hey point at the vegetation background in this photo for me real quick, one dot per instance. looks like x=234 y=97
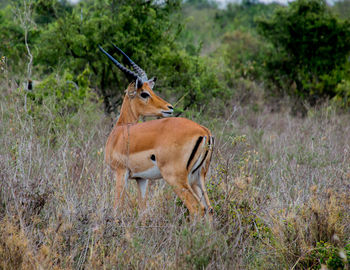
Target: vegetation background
x=271 y=81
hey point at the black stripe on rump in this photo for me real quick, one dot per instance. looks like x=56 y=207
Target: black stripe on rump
x=205 y=156
x=194 y=150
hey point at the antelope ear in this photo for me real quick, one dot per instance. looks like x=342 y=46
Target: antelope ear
x=152 y=82
x=131 y=90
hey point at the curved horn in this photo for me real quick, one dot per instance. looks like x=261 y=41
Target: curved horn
x=120 y=66
x=139 y=70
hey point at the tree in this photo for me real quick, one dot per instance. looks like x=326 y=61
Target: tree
x=71 y=41
x=12 y=45
x=310 y=49
x=65 y=39
x=146 y=30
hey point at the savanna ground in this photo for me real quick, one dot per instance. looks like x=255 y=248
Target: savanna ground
x=279 y=185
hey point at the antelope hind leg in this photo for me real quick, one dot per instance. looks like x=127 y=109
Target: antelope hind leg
x=142 y=185
x=189 y=198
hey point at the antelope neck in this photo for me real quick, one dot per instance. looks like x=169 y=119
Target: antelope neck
x=127 y=115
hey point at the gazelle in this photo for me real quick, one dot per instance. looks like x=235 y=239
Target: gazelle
x=175 y=149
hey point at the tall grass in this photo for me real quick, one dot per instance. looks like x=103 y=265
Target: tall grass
x=279 y=186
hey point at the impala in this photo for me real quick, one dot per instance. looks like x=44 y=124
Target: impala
x=175 y=149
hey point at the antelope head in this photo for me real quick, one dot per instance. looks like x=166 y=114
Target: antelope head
x=139 y=94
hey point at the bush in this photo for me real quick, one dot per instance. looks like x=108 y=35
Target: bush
x=12 y=40
x=310 y=50
x=56 y=101
x=343 y=93
x=332 y=256
x=242 y=53
x=190 y=78
x=315 y=234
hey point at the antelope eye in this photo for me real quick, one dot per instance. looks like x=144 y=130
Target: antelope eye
x=144 y=95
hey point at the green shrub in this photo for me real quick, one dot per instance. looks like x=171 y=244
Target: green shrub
x=332 y=256
x=12 y=40
x=310 y=50
x=242 y=53
x=56 y=100
x=343 y=93
x=189 y=78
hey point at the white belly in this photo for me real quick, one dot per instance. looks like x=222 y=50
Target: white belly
x=151 y=173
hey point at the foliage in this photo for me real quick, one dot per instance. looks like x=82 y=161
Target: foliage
x=200 y=32
x=343 y=93
x=332 y=256
x=66 y=38
x=342 y=7
x=243 y=15
x=12 y=40
x=198 y=51
x=243 y=55
x=47 y=11
x=200 y=4
x=57 y=100
x=139 y=28
x=310 y=49
x=68 y=96
x=190 y=76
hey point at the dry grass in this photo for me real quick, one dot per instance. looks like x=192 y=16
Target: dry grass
x=279 y=186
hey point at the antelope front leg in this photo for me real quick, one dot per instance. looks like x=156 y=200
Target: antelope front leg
x=122 y=176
